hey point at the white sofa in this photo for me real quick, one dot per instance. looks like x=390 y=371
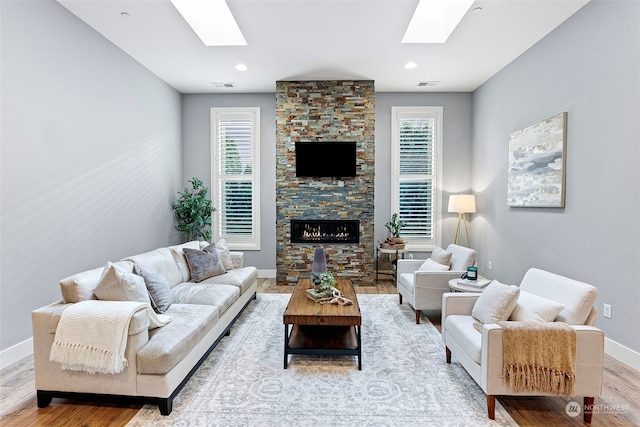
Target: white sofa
x=160 y=361
x=423 y=288
x=481 y=353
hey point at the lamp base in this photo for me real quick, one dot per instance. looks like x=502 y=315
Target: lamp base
x=462 y=218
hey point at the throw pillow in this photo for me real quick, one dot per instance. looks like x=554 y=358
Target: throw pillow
x=224 y=253
x=116 y=284
x=203 y=264
x=441 y=256
x=495 y=303
x=158 y=288
x=431 y=265
x=533 y=308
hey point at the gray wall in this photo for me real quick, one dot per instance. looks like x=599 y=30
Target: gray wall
x=196 y=119
x=91 y=157
x=456 y=156
x=589 y=67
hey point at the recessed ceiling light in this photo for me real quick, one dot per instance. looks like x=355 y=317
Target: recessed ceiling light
x=241 y=67
x=410 y=65
x=212 y=21
x=434 y=20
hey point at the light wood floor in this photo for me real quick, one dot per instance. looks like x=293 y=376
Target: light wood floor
x=619 y=404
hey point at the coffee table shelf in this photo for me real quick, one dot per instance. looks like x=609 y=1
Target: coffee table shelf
x=322 y=329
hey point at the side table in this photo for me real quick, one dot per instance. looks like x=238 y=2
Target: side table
x=395 y=252
x=454 y=286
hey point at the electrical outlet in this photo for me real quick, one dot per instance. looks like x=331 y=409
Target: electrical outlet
x=490 y=265
x=410 y=256
x=606 y=311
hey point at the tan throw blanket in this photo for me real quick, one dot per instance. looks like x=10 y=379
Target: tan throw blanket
x=539 y=357
x=92 y=335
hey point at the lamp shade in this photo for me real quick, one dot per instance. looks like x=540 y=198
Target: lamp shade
x=462 y=203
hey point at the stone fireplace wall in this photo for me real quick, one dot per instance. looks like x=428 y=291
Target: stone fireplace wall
x=322 y=111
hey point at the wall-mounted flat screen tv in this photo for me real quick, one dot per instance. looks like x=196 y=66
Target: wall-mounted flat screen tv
x=325 y=159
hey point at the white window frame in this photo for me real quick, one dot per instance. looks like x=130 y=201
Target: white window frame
x=251 y=242
x=398 y=113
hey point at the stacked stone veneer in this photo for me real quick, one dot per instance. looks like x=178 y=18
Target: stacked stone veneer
x=323 y=111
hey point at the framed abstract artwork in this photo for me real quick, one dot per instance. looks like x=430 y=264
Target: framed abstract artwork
x=537 y=163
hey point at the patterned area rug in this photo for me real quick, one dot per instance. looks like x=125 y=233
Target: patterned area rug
x=404 y=381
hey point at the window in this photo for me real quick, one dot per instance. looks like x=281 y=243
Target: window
x=416 y=155
x=235 y=149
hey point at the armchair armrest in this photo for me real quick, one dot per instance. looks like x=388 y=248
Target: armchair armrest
x=427 y=279
x=458 y=303
x=589 y=360
x=408 y=265
x=435 y=279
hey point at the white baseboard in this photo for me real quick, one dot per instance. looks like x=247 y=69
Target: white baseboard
x=622 y=354
x=16 y=353
x=267 y=274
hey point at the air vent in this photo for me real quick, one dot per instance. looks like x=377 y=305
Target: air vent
x=431 y=83
x=223 y=84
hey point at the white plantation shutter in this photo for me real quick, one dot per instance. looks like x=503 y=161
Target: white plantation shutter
x=416 y=148
x=235 y=148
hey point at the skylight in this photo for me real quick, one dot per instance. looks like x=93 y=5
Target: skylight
x=434 y=20
x=212 y=21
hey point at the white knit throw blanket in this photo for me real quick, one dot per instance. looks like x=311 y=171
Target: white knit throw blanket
x=92 y=335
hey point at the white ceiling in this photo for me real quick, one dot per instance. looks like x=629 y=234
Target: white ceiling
x=324 y=39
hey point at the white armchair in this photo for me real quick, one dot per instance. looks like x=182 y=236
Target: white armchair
x=481 y=353
x=423 y=289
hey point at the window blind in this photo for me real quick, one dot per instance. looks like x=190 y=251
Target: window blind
x=415 y=173
x=235 y=144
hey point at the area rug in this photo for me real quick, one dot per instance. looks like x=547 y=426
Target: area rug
x=404 y=381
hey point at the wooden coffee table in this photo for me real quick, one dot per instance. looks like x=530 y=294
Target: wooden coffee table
x=311 y=328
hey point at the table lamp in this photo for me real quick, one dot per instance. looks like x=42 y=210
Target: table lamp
x=462 y=204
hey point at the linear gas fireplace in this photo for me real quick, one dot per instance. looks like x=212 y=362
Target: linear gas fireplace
x=325 y=231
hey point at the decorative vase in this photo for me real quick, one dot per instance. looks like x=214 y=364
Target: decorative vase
x=319 y=261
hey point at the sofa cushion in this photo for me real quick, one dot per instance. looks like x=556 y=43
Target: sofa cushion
x=170 y=344
x=496 y=303
x=203 y=265
x=242 y=278
x=80 y=286
x=180 y=260
x=219 y=296
x=158 y=288
x=118 y=284
x=159 y=261
x=431 y=265
x=534 y=308
x=441 y=256
x=462 y=330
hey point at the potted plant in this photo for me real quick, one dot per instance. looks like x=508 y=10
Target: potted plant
x=395 y=226
x=193 y=211
x=322 y=286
